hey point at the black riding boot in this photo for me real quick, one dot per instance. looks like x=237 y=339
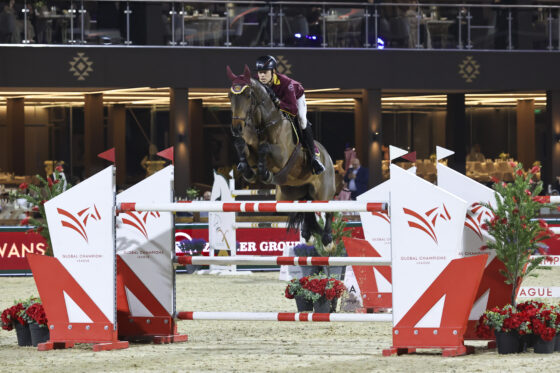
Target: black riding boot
x=309 y=144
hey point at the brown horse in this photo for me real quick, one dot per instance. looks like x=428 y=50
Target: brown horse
x=268 y=146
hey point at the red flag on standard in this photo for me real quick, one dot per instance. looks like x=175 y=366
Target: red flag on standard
x=108 y=155
x=167 y=153
x=411 y=157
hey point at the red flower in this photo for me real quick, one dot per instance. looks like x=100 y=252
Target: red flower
x=37 y=313
x=515 y=211
x=535 y=169
x=35 y=209
x=59 y=169
x=287 y=293
x=527 y=192
x=43 y=202
x=49 y=181
x=543 y=224
x=519 y=172
x=483 y=247
x=512 y=164
x=484 y=226
x=23 y=186
x=24 y=221
x=56 y=181
x=494 y=179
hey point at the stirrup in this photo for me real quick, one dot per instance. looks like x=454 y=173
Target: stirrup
x=316 y=166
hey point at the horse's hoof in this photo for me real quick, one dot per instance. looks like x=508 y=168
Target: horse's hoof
x=330 y=248
x=242 y=167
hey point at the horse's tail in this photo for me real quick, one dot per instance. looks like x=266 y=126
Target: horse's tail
x=297 y=219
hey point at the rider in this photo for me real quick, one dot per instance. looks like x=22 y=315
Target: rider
x=289 y=96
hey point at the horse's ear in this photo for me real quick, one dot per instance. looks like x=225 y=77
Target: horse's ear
x=230 y=74
x=247 y=73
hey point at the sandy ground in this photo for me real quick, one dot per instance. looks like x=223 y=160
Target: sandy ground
x=219 y=346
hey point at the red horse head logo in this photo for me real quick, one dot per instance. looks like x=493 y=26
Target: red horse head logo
x=427 y=222
x=78 y=223
x=138 y=220
x=476 y=216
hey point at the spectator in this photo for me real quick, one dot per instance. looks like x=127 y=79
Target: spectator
x=475 y=155
x=357 y=179
x=7 y=23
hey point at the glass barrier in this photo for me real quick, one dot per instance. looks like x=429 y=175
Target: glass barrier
x=290 y=24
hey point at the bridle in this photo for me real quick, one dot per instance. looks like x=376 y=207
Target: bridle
x=251 y=113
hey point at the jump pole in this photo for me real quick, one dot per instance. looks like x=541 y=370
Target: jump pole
x=283 y=260
x=256 y=206
x=285 y=316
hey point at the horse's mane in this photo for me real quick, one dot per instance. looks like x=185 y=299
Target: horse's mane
x=259 y=90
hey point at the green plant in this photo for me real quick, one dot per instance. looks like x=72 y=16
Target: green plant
x=192 y=193
x=36 y=196
x=514 y=227
x=339 y=230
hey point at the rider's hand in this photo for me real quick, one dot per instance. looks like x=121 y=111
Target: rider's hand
x=276 y=101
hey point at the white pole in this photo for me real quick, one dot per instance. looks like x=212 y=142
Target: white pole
x=256 y=206
x=253 y=192
x=285 y=260
x=287 y=316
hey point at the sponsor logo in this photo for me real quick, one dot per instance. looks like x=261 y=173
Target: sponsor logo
x=139 y=220
x=476 y=216
x=79 y=221
x=427 y=222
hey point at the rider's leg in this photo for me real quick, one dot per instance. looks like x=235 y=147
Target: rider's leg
x=307 y=140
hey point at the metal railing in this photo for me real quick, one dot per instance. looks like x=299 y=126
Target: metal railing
x=291 y=24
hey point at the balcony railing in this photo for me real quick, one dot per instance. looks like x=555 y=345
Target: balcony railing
x=291 y=24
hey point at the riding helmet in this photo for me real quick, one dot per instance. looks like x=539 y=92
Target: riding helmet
x=266 y=63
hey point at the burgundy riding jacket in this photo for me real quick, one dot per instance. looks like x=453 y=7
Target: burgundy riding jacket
x=288 y=91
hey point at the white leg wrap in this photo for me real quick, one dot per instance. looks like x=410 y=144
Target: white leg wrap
x=302 y=111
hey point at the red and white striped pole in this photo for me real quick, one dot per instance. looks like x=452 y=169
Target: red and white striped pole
x=286 y=316
x=284 y=260
x=548 y=199
x=256 y=206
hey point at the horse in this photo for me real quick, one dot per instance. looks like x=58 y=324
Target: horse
x=268 y=146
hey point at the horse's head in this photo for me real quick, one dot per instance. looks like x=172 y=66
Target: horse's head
x=240 y=97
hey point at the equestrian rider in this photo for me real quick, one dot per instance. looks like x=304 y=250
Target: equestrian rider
x=289 y=96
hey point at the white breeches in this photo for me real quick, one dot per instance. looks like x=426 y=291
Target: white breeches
x=302 y=112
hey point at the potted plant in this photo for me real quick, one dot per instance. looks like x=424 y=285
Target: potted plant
x=516 y=232
x=12 y=318
x=319 y=289
x=36 y=196
x=34 y=314
x=193 y=247
x=294 y=291
x=530 y=324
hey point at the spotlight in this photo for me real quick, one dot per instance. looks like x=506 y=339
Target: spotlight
x=297 y=36
x=380 y=43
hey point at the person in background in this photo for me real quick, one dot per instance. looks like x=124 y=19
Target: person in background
x=475 y=155
x=357 y=178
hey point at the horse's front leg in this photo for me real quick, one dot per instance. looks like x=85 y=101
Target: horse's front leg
x=262 y=169
x=243 y=166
